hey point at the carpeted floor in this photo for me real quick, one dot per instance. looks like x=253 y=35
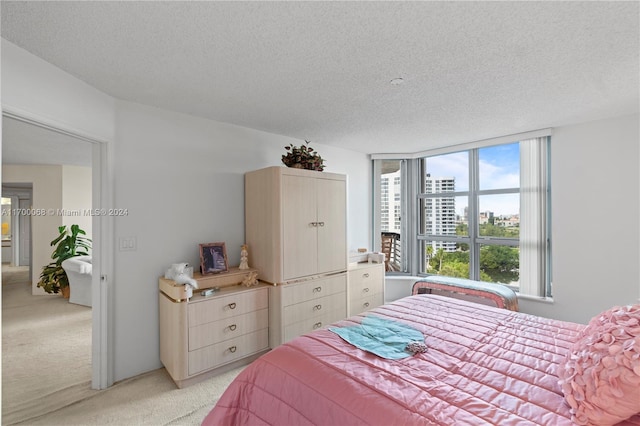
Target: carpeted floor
x=46 y=371
x=46 y=349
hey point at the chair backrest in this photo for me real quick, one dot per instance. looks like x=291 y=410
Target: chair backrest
x=387 y=246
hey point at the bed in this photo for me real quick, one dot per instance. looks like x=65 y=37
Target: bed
x=482 y=366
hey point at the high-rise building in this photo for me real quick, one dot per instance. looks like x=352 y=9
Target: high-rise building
x=390 y=202
x=440 y=212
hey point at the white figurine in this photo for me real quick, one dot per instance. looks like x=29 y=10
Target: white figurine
x=244 y=258
x=178 y=273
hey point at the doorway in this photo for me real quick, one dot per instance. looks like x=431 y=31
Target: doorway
x=16 y=227
x=27 y=140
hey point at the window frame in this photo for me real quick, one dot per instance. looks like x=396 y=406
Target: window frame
x=413 y=244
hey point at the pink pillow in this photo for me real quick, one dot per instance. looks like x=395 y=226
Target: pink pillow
x=600 y=377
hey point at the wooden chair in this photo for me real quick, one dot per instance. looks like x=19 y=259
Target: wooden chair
x=387 y=246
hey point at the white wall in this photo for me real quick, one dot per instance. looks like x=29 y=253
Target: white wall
x=181 y=178
x=47 y=194
x=595 y=210
x=76 y=197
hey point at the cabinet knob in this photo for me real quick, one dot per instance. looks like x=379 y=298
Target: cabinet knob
x=317 y=289
x=232 y=349
x=317 y=307
x=366 y=304
x=314 y=224
x=321 y=223
x=233 y=327
x=366 y=275
x=232 y=305
x=365 y=290
x=317 y=325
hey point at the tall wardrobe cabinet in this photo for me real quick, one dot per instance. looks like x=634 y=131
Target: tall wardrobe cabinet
x=295 y=225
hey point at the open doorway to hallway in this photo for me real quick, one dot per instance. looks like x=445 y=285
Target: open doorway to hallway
x=46 y=341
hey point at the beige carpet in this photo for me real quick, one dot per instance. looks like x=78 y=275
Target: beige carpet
x=46 y=370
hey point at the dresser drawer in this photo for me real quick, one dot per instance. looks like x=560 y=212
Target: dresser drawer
x=310 y=324
x=228 y=328
x=217 y=308
x=363 y=280
x=227 y=351
x=367 y=302
x=312 y=289
x=314 y=308
x=364 y=290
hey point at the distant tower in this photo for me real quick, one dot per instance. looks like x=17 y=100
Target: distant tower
x=440 y=213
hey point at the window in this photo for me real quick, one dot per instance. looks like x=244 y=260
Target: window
x=483 y=213
x=391 y=174
x=6 y=219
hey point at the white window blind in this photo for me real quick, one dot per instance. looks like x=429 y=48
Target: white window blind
x=534 y=241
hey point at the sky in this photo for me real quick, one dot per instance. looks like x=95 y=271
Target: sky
x=499 y=168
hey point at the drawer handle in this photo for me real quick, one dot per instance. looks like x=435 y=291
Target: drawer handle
x=366 y=304
x=317 y=325
x=317 y=307
x=366 y=275
x=233 y=327
x=232 y=305
x=317 y=289
x=365 y=290
x=232 y=349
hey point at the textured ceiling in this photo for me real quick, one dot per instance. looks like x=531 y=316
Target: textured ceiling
x=322 y=70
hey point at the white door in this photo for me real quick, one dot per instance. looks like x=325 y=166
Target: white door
x=332 y=228
x=299 y=228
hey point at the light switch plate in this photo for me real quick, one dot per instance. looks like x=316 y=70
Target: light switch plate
x=127 y=244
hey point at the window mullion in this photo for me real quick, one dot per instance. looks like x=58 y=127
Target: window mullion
x=474 y=178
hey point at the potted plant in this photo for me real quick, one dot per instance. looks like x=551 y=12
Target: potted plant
x=70 y=243
x=303 y=157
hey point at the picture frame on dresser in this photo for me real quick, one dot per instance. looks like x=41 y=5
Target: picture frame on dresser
x=213 y=258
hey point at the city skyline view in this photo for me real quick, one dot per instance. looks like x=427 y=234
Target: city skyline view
x=499 y=169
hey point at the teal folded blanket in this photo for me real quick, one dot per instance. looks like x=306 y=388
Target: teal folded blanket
x=382 y=337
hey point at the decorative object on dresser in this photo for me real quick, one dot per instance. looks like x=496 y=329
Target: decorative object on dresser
x=244 y=257
x=213 y=331
x=251 y=279
x=296 y=228
x=213 y=258
x=366 y=287
x=303 y=157
x=181 y=273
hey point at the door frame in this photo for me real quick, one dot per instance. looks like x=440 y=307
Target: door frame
x=102 y=253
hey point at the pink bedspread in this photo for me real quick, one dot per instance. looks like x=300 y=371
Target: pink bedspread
x=483 y=366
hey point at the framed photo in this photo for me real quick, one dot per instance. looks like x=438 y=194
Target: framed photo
x=213 y=258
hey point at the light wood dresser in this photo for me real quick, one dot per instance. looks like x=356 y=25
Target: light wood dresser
x=366 y=286
x=204 y=336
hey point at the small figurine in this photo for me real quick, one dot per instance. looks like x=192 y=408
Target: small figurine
x=244 y=258
x=182 y=274
x=251 y=279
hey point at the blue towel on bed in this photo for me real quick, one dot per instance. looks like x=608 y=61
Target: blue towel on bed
x=382 y=337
